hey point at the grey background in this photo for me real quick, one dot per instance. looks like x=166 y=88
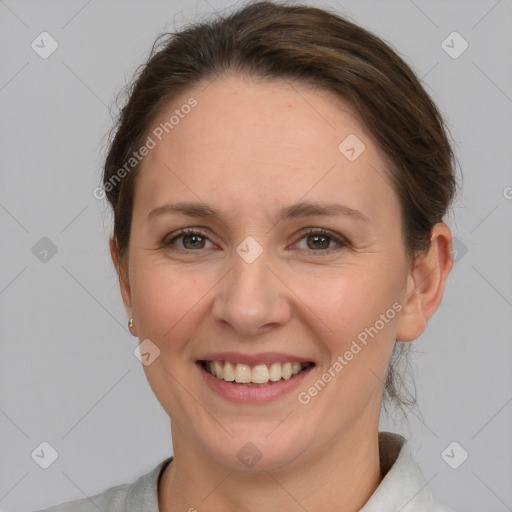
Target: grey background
x=68 y=375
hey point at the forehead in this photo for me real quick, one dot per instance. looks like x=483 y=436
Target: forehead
x=250 y=144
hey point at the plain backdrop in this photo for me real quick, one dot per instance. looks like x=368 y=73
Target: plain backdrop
x=68 y=374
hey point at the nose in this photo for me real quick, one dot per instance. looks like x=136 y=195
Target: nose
x=251 y=298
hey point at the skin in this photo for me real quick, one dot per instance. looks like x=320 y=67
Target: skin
x=247 y=149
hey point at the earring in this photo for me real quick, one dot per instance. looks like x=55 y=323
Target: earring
x=130 y=324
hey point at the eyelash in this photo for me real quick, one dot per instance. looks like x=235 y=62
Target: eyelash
x=311 y=231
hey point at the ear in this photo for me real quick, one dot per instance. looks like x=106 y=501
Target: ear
x=121 y=274
x=425 y=284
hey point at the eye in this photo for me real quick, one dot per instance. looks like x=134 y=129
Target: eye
x=195 y=239
x=321 y=239
x=192 y=239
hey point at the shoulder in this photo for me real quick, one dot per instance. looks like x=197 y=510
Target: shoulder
x=110 y=500
x=142 y=494
x=441 y=507
x=437 y=506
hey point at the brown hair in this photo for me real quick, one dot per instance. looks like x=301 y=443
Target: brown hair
x=315 y=46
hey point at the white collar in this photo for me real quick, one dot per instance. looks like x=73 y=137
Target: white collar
x=404 y=487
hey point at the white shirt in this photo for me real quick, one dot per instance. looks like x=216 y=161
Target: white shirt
x=403 y=488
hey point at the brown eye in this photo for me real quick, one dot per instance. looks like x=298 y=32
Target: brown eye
x=191 y=240
x=196 y=241
x=319 y=240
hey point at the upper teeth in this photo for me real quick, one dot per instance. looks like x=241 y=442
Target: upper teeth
x=259 y=374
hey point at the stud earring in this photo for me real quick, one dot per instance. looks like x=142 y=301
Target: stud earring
x=130 y=324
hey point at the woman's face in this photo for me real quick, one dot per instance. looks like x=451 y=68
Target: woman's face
x=252 y=285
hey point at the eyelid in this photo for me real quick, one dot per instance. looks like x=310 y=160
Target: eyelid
x=166 y=241
x=339 y=239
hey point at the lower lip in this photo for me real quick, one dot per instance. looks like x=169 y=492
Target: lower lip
x=241 y=393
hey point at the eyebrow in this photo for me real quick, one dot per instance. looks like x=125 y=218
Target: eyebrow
x=303 y=209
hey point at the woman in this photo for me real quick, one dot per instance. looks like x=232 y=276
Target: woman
x=279 y=179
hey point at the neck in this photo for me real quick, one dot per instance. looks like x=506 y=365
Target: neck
x=345 y=474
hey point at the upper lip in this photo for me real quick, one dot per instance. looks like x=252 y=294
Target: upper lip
x=253 y=359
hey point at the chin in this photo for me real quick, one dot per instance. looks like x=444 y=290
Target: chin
x=255 y=450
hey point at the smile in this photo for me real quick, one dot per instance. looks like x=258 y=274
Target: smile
x=258 y=375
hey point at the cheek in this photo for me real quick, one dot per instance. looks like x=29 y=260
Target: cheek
x=338 y=302
x=360 y=305
x=357 y=305
x=346 y=300
x=166 y=303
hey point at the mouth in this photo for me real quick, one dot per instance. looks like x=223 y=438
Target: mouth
x=259 y=375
